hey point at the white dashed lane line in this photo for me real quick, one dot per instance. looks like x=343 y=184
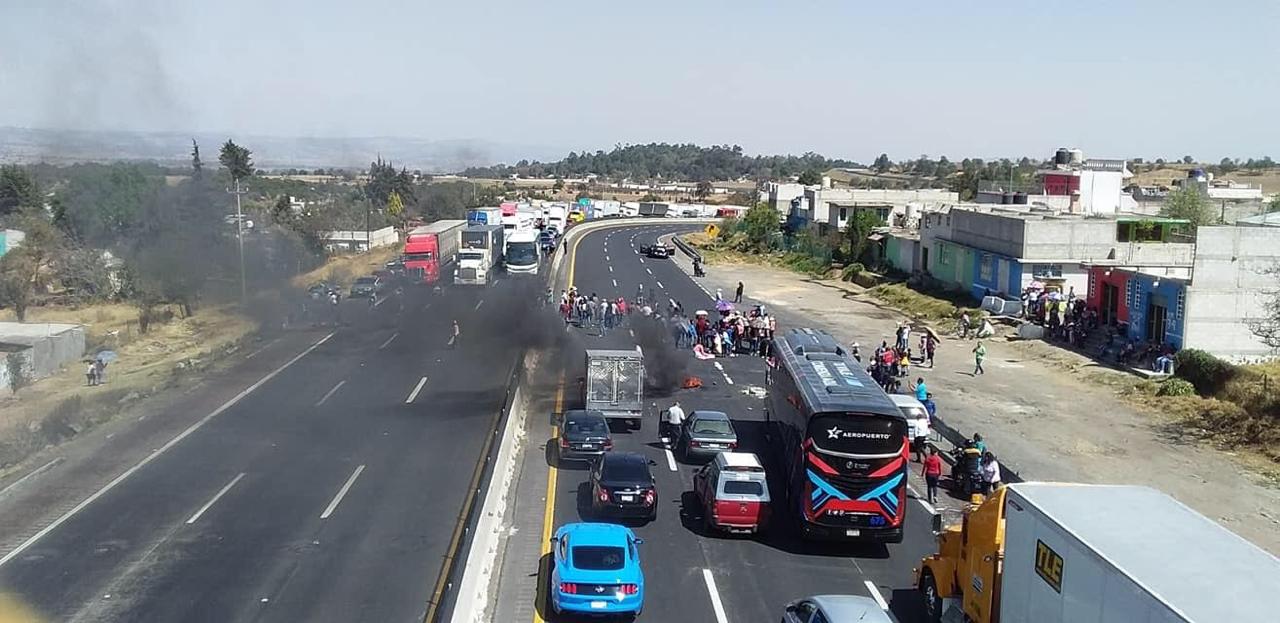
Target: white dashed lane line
x=716 y=604
x=671 y=459
x=478 y=304
x=661 y=286
x=417 y=388
x=384 y=344
x=216 y=497
x=615 y=282
x=341 y=493
x=875 y=594
x=331 y=392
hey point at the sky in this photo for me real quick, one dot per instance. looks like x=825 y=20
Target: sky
x=850 y=78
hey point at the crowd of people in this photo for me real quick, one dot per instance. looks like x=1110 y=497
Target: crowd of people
x=595 y=311
x=1069 y=319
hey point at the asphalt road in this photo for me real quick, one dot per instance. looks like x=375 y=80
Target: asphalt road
x=329 y=493
x=689 y=572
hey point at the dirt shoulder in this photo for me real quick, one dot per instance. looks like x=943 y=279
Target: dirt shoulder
x=1048 y=414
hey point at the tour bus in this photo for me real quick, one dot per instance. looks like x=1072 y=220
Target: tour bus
x=843 y=442
x=522 y=253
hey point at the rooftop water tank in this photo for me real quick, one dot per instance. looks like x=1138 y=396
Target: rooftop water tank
x=1077 y=156
x=1062 y=156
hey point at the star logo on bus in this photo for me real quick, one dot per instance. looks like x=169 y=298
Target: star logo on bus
x=833 y=432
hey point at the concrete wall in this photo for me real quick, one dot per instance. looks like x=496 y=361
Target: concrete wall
x=1100 y=191
x=780 y=196
x=1229 y=289
x=26 y=353
x=1143 y=289
x=998 y=233
x=820 y=198
x=901 y=253
x=51 y=346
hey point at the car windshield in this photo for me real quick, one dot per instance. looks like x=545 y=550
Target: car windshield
x=417 y=257
x=712 y=427
x=365 y=281
x=598 y=557
x=743 y=487
x=470 y=255
x=586 y=426
x=625 y=471
x=522 y=253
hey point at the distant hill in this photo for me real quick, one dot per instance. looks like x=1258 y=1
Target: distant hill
x=25 y=145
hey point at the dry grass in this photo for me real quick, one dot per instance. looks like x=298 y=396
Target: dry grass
x=1269 y=179
x=919 y=305
x=343 y=269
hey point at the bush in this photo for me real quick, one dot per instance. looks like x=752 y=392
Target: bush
x=851 y=271
x=1176 y=387
x=1207 y=373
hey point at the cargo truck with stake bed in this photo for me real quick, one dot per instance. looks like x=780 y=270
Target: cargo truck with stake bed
x=1069 y=553
x=614 y=384
x=480 y=255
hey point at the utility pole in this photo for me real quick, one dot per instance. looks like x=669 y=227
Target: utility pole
x=240 y=236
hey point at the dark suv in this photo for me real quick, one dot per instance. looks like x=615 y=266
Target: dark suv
x=622 y=486
x=583 y=435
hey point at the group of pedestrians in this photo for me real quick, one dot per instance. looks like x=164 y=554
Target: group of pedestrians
x=593 y=311
x=731 y=334
x=96 y=373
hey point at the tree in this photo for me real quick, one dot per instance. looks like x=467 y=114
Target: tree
x=395 y=207
x=236 y=160
x=858 y=229
x=18 y=189
x=1227 y=165
x=759 y=223
x=197 y=167
x=558 y=186
x=703 y=190
x=945 y=168
x=24 y=270
x=1188 y=160
x=1190 y=204
x=882 y=163
x=810 y=178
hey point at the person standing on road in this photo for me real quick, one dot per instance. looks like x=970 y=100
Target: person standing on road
x=737 y=296
x=453 y=337
x=922 y=390
x=672 y=420
x=964 y=326
x=930 y=347
x=990 y=473
x=932 y=471
x=979 y=353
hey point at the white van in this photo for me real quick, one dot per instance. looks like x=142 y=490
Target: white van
x=917 y=419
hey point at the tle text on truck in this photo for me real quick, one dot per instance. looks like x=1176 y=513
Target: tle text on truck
x=480 y=255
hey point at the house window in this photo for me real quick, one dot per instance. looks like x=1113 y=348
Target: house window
x=987 y=267
x=1046 y=271
x=946 y=255
x=844 y=214
x=1181 y=305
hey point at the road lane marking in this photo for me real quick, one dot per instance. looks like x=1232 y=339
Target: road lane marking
x=549 y=512
x=332 y=392
x=155 y=453
x=35 y=472
x=661 y=286
x=610 y=269
x=260 y=349
x=606 y=258
x=615 y=282
x=641 y=259
x=384 y=344
x=927 y=506
x=632 y=332
x=221 y=492
x=481 y=302
x=671 y=459
x=379 y=301
x=649 y=270
x=716 y=605
x=875 y=594
x=342 y=493
x=416 y=388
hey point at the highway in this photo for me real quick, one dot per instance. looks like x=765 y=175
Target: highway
x=693 y=576
x=329 y=492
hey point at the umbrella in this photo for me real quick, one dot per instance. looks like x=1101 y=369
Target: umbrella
x=933 y=334
x=107 y=356
x=700 y=312
x=724 y=306
x=1037 y=285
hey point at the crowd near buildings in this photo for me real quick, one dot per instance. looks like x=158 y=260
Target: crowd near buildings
x=1081 y=230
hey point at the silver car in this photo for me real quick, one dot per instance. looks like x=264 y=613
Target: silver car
x=706 y=434
x=835 y=609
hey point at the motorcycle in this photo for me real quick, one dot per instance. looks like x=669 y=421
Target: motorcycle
x=966 y=471
x=698 y=271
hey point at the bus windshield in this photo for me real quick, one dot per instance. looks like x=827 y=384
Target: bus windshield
x=848 y=433
x=522 y=253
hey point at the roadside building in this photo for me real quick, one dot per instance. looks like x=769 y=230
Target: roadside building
x=1001 y=250
x=1212 y=308
x=831 y=208
x=42 y=347
x=361 y=240
x=10 y=239
x=1073 y=185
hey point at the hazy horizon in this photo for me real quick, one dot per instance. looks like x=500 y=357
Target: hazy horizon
x=1145 y=79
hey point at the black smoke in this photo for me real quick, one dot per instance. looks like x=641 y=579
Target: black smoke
x=664 y=365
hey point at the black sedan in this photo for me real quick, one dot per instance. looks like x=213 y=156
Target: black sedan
x=656 y=251
x=622 y=486
x=706 y=434
x=584 y=435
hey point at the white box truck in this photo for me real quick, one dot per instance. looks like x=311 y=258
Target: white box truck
x=1071 y=553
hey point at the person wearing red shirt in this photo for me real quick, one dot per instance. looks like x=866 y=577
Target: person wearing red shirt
x=932 y=471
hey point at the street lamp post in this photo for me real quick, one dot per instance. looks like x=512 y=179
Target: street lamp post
x=240 y=236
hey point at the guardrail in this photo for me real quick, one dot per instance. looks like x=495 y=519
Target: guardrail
x=686 y=249
x=442 y=603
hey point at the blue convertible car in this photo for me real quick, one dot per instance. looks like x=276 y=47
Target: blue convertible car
x=596 y=570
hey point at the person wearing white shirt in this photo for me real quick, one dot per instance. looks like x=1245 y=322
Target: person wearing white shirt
x=990 y=472
x=672 y=420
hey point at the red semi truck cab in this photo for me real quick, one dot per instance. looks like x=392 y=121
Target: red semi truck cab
x=429 y=249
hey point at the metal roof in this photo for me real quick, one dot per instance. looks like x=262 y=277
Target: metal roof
x=1196 y=566
x=738 y=459
x=829 y=377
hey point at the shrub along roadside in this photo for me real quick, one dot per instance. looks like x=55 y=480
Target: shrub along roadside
x=1235 y=406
